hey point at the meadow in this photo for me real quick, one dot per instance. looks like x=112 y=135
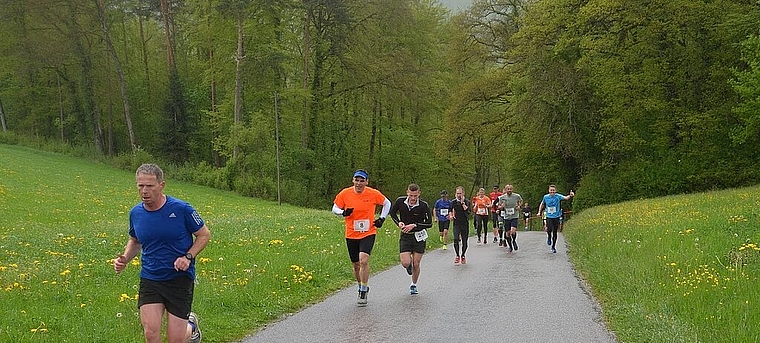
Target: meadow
x=65 y=219
x=674 y=269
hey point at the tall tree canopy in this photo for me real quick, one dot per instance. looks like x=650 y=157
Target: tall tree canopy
x=614 y=99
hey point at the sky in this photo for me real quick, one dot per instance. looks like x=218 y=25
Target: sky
x=456 y=5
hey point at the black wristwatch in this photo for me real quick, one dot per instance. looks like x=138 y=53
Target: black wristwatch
x=189 y=256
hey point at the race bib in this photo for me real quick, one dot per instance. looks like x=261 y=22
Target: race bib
x=510 y=211
x=361 y=225
x=482 y=211
x=503 y=213
x=421 y=235
x=551 y=210
x=444 y=211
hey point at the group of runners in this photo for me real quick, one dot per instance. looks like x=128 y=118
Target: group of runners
x=169 y=234
x=357 y=205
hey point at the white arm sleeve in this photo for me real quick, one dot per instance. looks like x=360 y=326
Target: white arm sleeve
x=386 y=208
x=337 y=210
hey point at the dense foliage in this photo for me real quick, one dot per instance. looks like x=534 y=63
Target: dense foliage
x=616 y=99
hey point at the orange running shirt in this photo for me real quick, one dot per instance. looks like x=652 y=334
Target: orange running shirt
x=481 y=206
x=360 y=223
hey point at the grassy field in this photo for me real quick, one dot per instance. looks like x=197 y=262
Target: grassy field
x=64 y=220
x=675 y=269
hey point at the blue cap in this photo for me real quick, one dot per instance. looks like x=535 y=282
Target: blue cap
x=361 y=173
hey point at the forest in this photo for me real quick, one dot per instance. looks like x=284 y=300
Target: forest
x=284 y=99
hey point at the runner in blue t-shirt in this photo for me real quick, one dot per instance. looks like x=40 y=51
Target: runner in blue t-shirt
x=442 y=209
x=551 y=202
x=162 y=228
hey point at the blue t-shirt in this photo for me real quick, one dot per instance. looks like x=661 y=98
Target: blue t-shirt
x=165 y=234
x=552 y=205
x=442 y=209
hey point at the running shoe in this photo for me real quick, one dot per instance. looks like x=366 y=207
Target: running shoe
x=410 y=267
x=554 y=251
x=548 y=241
x=514 y=243
x=362 y=298
x=444 y=247
x=195 y=336
x=413 y=290
x=485 y=240
x=456 y=260
x=509 y=249
x=478 y=240
x=495 y=239
x=464 y=260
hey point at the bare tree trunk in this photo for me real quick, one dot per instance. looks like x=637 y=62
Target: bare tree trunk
x=165 y=14
x=2 y=117
x=144 y=48
x=109 y=137
x=60 y=106
x=305 y=81
x=238 y=85
x=212 y=68
x=119 y=71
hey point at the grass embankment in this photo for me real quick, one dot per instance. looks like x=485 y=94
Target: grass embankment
x=63 y=220
x=674 y=269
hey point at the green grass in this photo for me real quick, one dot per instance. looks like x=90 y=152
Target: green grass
x=674 y=269
x=64 y=220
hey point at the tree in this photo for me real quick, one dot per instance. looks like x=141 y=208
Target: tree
x=99 y=4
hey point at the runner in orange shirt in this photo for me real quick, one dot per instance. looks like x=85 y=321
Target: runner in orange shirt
x=481 y=207
x=357 y=205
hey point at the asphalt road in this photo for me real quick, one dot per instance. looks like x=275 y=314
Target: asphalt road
x=530 y=295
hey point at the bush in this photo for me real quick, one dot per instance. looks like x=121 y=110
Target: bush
x=132 y=160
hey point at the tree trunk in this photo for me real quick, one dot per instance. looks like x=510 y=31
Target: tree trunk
x=305 y=83
x=60 y=107
x=238 y=86
x=166 y=15
x=2 y=117
x=119 y=71
x=212 y=71
x=144 y=51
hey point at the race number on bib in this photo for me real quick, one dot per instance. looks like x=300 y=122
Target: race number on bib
x=444 y=211
x=510 y=211
x=482 y=211
x=551 y=210
x=361 y=225
x=421 y=235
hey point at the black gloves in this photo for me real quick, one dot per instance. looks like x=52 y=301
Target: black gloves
x=379 y=222
x=347 y=212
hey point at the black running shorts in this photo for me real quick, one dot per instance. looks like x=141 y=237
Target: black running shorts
x=175 y=294
x=355 y=246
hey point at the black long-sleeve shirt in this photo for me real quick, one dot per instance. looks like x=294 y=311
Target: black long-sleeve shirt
x=419 y=214
x=461 y=216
